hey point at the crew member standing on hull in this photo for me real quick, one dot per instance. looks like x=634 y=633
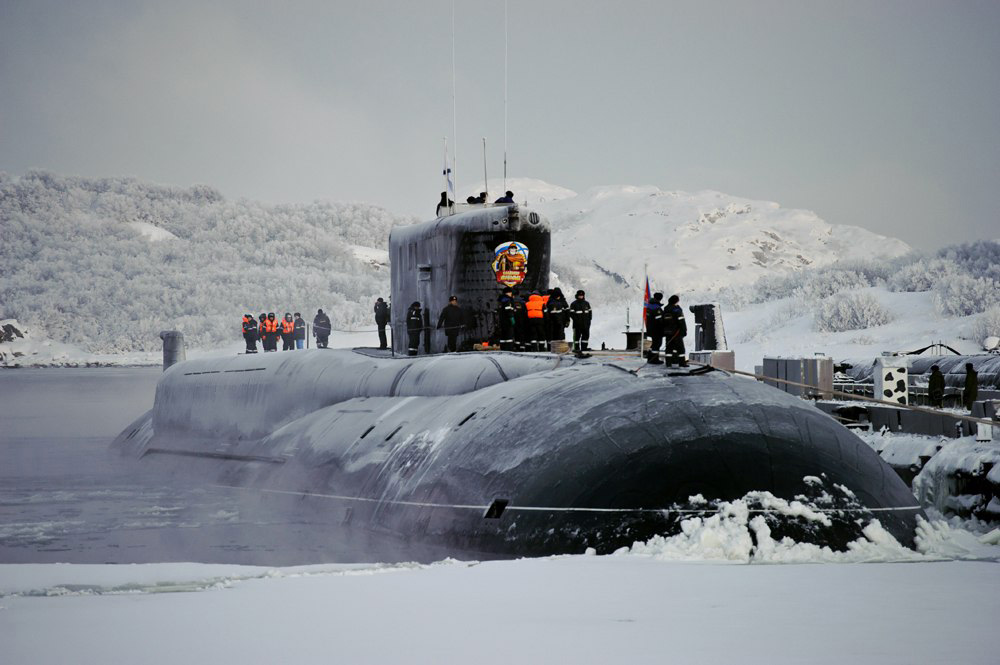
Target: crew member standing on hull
x=971 y=391
x=321 y=329
x=521 y=335
x=271 y=333
x=505 y=319
x=261 y=330
x=288 y=333
x=414 y=324
x=935 y=387
x=675 y=330
x=654 y=327
x=452 y=319
x=381 y=319
x=557 y=313
x=300 y=331
x=536 y=321
x=250 y=333
x=579 y=312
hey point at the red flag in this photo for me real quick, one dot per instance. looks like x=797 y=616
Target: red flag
x=645 y=301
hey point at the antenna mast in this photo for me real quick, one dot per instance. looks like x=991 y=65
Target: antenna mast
x=485 y=180
x=454 y=105
x=505 y=95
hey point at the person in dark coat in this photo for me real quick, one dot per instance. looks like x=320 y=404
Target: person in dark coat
x=300 y=331
x=654 y=328
x=935 y=387
x=321 y=329
x=508 y=197
x=580 y=314
x=505 y=319
x=444 y=206
x=381 y=319
x=262 y=330
x=250 y=332
x=477 y=199
x=273 y=332
x=414 y=325
x=675 y=330
x=557 y=315
x=971 y=390
x=452 y=320
x=522 y=338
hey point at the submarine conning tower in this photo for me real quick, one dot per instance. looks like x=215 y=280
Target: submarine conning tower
x=472 y=254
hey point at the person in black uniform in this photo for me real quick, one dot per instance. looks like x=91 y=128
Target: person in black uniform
x=508 y=197
x=505 y=319
x=444 y=206
x=522 y=340
x=300 y=331
x=580 y=314
x=250 y=332
x=414 y=324
x=381 y=319
x=971 y=390
x=935 y=387
x=675 y=330
x=321 y=329
x=287 y=329
x=452 y=320
x=654 y=328
x=557 y=315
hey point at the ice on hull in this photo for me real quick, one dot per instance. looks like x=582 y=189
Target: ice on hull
x=413 y=450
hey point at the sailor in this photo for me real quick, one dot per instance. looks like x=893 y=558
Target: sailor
x=381 y=319
x=261 y=332
x=675 y=330
x=580 y=314
x=508 y=197
x=300 y=331
x=444 y=206
x=452 y=320
x=505 y=319
x=536 y=320
x=477 y=199
x=288 y=332
x=414 y=324
x=321 y=329
x=270 y=333
x=522 y=339
x=935 y=387
x=250 y=333
x=557 y=315
x=654 y=328
x=971 y=390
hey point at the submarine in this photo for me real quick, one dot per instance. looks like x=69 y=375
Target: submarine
x=500 y=454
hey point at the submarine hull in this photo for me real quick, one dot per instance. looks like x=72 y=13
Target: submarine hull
x=503 y=455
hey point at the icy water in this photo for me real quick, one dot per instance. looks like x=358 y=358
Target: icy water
x=65 y=498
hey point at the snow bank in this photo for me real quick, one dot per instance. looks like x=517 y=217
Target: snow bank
x=19 y=347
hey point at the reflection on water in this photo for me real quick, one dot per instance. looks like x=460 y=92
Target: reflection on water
x=65 y=498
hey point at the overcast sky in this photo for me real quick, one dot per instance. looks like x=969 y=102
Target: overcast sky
x=878 y=113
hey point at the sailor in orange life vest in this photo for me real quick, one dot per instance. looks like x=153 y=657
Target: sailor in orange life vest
x=288 y=332
x=269 y=332
x=536 y=321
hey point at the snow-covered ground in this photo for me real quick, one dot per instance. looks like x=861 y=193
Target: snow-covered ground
x=571 y=609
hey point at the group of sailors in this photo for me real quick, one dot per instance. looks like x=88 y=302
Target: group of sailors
x=290 y=329
x=666 y=323
x=524 y=323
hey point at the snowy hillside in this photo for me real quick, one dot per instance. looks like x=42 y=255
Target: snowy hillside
x=105 y=264
x=695 y=241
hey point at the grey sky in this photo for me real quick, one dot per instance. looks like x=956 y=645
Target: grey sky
x=877 y=113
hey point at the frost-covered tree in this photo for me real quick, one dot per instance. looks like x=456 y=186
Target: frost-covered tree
x=851 y=311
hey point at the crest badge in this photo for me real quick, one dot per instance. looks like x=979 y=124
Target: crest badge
x=510 y=263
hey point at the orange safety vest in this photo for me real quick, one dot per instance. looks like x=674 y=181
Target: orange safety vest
x=287 y=327
x=534 y=306
x=270 y=326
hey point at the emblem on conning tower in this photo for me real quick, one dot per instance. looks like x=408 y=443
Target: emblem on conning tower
x=511 y=263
